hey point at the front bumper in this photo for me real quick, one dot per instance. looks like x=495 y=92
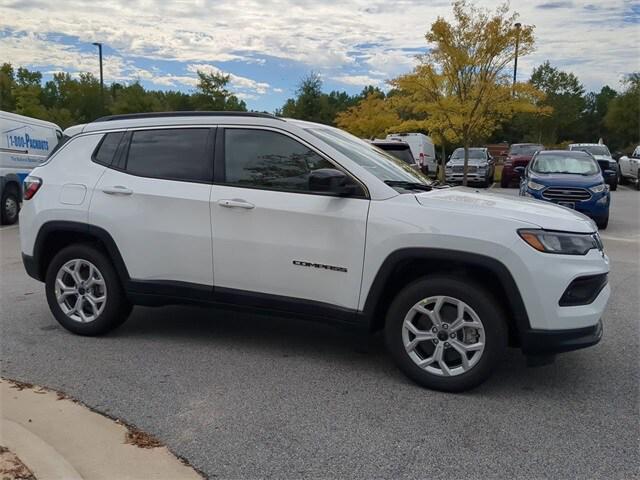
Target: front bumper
x=546 y=342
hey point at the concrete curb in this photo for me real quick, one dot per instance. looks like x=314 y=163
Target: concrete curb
x=58 y=438
x=41 y=458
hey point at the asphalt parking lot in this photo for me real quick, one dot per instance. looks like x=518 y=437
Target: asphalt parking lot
x=244 y=396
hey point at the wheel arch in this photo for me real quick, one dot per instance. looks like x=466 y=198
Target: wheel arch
x=406 y=265
x=56 y=235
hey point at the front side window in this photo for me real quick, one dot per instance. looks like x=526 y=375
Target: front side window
x=271 y=160
x=381 y=164
x=571 y=164
x=181 y=154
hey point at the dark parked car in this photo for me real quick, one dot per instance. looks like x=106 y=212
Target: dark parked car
x=400 y=150
x=572 y=179
x=519 y=155
x=602 y=155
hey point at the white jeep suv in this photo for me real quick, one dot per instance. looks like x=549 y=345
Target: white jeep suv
x=296 y=218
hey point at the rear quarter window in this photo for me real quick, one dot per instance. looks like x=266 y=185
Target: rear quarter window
x=107 y=148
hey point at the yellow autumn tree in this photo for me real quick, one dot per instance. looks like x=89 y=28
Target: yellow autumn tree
x=370 y=118
x=462 y=88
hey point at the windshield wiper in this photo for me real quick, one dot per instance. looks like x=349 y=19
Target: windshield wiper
x=409 y=185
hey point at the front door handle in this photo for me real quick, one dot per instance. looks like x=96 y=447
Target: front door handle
x=117 y=190
x=236 y=203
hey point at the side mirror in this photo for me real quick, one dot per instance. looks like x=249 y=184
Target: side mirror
x=330 y=180
x=519 y=170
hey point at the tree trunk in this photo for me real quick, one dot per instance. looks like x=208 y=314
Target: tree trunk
x=466 y=163
x=443 y=162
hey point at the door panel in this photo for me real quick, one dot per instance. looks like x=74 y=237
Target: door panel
x=162 y=227
x=291 y=244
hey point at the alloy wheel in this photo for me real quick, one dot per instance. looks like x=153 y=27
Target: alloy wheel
x=443 y=335
x=80 y=290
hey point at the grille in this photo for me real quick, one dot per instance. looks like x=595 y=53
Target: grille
x=460 y=168
x=568 y=194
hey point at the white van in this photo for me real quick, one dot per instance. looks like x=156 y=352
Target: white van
x=24 y=144
x=422 y=148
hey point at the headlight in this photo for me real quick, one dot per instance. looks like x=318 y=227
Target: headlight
x=534 y=186
x=561 y=242
x=599 y=188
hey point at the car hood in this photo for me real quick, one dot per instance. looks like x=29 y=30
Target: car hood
x=567 y=180
x=604 y=157
x=521 y=210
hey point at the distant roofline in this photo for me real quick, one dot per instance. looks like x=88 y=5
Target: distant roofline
x=134 y=116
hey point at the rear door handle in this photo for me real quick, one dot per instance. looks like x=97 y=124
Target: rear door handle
x=117 y=190
x=236 y=203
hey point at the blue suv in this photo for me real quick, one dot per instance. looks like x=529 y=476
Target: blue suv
x=572 y=179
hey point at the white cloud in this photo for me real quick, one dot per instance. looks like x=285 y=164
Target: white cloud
x=358 y=80
x=375 y=38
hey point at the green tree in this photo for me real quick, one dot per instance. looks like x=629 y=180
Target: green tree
x=623 y=114
x=7 y=85
x=564 y=94
x=212 y=93
x=134 y=99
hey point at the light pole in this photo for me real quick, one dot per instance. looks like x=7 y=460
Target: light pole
x=515 y=63
x=99 y=45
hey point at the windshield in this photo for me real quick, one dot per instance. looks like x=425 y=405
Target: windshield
x=474 y=154
x=381 y=164
x=524 y=150
x=592 y=149
x=575 y=164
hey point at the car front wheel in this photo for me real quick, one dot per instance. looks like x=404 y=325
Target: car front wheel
x=84 y=292
x=445 y=333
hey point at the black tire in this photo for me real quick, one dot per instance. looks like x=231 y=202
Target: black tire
x=9 y=216
x=638 y=180
x=117 y=307
x=603 y=223
x=504 y=182
x=480 y=300
x=614 y=185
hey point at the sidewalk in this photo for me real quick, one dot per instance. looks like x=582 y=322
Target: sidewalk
x=57 y=438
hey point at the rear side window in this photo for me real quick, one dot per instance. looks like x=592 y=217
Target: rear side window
x=266 y=159
x=174 y=154
x=107 y=148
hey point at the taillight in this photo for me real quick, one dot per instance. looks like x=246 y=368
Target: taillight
x=31 y=186
x=422 y=158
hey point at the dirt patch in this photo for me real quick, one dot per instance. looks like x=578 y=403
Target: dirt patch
x=11 y=468
x=140 y=439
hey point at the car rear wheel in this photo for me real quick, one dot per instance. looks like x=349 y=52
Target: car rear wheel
x=84 y=292
x=445 y=333
x=638 y=180
x=504 y=182
x=9 y=207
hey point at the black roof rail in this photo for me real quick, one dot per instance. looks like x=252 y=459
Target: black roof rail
x=133 y=116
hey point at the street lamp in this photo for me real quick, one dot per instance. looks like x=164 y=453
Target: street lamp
x=515 y=63
x=99 y=45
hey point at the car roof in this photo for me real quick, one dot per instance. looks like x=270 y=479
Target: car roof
x=116 y=122
x=587 y=145
x=524 y=144
x=472 y=148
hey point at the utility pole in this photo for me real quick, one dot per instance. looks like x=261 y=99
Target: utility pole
x=515 y=63
x=99 y=45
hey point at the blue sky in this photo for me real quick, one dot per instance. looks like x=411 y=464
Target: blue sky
x=268 y=45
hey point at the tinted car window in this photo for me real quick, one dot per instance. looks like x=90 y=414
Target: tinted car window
x=261 y=158
x=174 y=154
x=107 y=148
x=403 y=153
x=524 y=150
x=474 y=153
